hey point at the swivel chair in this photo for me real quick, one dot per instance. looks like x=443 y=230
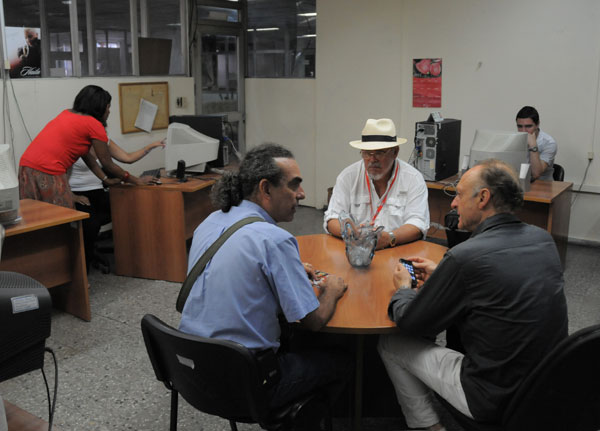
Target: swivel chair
x=223 y=378
x=561 y=393
x=559 y=173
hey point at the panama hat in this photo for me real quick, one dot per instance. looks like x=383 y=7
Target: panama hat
x=378 y=135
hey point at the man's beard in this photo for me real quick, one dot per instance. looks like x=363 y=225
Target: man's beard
x=376 y=177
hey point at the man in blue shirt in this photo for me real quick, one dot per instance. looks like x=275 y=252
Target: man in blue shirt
x=257 y=274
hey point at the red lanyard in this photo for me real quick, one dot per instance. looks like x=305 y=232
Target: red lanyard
x=384 y=196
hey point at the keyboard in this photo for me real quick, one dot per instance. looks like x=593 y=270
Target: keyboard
x=152 y=172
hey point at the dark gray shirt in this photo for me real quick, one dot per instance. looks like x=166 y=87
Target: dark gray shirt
x=503 y=291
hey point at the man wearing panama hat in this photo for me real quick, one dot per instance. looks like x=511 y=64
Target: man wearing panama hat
x=381 y=189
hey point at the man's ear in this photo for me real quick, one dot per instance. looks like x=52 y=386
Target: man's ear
x=484 y=197
x=264 y=187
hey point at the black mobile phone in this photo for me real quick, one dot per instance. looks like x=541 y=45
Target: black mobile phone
x=411 y=270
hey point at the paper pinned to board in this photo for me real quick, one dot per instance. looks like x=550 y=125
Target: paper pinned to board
x=146 y=115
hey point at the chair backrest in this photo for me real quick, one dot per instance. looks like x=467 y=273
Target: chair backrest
x=559 y=173
x=563 y=392
x=217 y=377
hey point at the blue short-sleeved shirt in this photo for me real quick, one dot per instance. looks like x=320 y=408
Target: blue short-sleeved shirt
x=255 y=276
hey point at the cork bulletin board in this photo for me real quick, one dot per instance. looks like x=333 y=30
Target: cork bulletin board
x=130 y=95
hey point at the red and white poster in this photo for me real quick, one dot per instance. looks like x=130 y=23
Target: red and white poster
x=24 y=52
x=427 y=82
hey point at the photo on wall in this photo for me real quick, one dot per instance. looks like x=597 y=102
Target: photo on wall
x=427 y=83
x=24 y=52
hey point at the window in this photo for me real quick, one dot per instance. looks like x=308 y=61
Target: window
x=39 y=40
x=165 y=23
x=281 y=38
x=112 y=37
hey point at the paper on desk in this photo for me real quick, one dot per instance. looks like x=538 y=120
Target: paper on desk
x=146 y=115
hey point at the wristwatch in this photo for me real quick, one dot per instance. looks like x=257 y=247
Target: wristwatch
x=392 y=238
x=534 y=149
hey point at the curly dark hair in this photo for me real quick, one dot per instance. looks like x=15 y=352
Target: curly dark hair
x=92 y=100
x=258 y=164
x=503 y=183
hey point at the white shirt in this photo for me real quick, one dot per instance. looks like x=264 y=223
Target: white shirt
x=547 y=148
x=82 y=179
x=406 y=202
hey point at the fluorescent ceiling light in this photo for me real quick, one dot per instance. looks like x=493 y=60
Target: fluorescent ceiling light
x=264 y=29
x=307 y=35
x=308 y=14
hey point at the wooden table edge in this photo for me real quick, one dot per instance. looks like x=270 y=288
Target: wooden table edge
x=17 y=229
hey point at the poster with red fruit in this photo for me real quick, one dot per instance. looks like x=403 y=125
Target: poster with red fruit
x=427 y=82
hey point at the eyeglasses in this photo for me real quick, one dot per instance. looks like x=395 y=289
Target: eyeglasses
x=378 y=154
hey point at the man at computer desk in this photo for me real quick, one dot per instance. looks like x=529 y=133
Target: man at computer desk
x=542 y=146
x=502 y=290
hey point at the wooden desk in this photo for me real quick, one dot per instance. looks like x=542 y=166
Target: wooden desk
x=47 y=245
x=547 y=205
x=152 y=223
x=363 y=309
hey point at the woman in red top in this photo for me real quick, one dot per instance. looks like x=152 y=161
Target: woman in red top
x=43 y=166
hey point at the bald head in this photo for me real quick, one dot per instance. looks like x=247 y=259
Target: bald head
x=487 y=189
x=503 y=183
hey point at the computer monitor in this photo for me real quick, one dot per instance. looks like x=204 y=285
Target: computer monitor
x=510 y=147
x=9 y=187
x=194 y=148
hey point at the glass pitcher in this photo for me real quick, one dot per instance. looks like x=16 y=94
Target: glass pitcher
x=360 y=240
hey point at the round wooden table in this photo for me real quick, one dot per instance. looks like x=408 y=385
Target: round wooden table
x=363 y=309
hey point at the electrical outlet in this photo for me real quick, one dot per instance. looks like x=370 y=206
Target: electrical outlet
x=591 y=155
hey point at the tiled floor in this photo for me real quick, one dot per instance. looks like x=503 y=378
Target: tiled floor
x=105 y=378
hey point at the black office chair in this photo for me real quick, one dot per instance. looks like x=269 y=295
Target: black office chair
x=559 y=173
x=561 y=393
x=223 y=378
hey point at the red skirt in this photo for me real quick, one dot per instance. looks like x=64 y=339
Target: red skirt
x=40 y=186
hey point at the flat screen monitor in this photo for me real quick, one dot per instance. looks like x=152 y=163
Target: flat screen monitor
x=510 y=147
x=189 y=145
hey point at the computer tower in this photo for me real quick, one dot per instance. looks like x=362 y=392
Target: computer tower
x=437 y=147
x=210 y=125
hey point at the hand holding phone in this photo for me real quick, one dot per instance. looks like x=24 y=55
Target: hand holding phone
x=411 y=270
x=319 y=276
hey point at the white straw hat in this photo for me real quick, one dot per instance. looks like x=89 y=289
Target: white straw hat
x=378 y=135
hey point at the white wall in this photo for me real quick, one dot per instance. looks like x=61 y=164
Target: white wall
x=40 y=100
x=497 y=57
x=282 y=111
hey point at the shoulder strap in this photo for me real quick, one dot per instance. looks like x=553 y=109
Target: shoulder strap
x=206 y=257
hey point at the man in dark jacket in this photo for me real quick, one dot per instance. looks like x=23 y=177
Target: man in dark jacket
x=503 y=292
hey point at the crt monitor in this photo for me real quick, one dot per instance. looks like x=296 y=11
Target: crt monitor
x=9 y=187
x=510 y=147
x=189 y=145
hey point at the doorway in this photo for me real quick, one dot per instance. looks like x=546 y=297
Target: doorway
x=218 y=71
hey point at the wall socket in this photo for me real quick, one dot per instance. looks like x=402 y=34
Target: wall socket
x=591 y=155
